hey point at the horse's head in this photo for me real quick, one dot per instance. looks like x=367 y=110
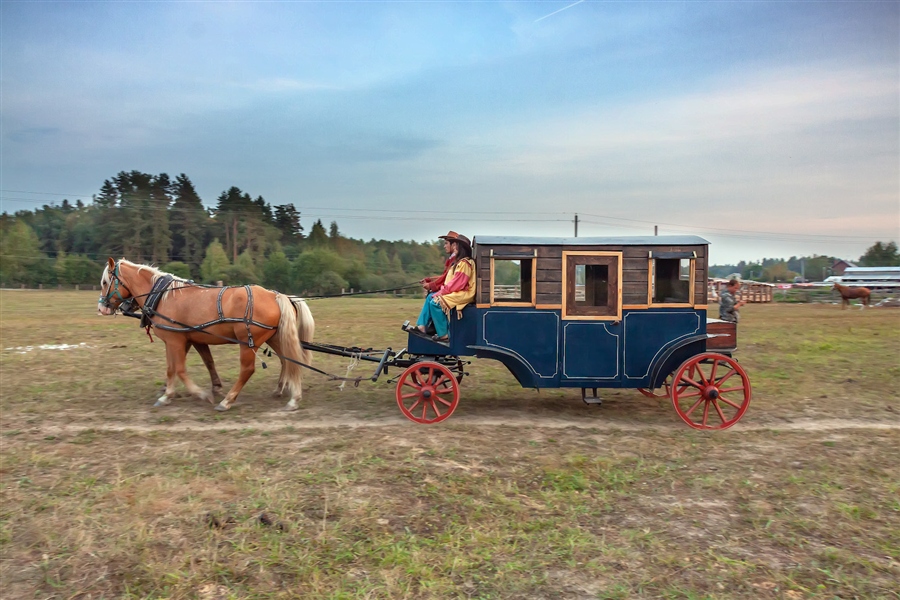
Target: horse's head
x=112 y=291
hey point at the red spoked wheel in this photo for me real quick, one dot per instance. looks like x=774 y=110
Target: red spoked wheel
x=654 y=393
x=710 y=391
x=427 y=392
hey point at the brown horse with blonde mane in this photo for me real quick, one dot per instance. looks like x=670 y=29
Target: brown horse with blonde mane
x=849 y=293
x=187 y=315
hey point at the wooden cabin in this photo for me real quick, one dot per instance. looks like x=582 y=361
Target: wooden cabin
x=593 y=278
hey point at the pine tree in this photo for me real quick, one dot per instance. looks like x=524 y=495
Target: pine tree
x=215 y=265
x=317 y=236
x=287 y=220
x=160 y=235
x=190 y=224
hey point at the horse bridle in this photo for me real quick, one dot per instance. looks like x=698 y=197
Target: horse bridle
x=106 y=300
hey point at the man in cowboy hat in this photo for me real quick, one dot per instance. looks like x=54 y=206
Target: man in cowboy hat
x=455 y=288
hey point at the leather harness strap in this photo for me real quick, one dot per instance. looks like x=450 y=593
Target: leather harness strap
x=150 y=309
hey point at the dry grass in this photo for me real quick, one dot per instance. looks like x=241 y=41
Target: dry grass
x=103 y=497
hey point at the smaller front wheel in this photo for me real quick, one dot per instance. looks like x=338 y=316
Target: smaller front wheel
x=427 y=392
x=710 y=391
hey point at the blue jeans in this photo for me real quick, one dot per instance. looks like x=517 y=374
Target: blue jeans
x=432 y=313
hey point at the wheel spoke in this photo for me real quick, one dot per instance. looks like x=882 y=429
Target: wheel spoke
x=424 y=410
x=414 y=405
x=729 y=402
x=413 y=384
x=705 y=413
x=726 y=377
x=703 y=378
x=719 y=410
x=447 y=391
x=434 y=407
x=690 y=382
x=444 y=402
x=734 y=389
x=410 y=395
x=712 y=373
x=691 y=395
x=691 y=409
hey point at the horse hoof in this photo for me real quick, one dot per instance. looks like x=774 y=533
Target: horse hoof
x=221 y=407
x=289 y=408
x=163 y=401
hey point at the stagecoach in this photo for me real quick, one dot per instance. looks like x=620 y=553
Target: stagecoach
x=584 y=313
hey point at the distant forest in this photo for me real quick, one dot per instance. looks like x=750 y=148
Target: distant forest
x=156 y=220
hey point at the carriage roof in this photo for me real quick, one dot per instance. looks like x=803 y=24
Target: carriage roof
x=631 y=240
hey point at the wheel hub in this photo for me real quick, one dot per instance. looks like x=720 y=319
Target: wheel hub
x=711 y=393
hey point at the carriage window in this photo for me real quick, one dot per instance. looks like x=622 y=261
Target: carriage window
x=670 y=280
x=513 y=281
x=591 y=285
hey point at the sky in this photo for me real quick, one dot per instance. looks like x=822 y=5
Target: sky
x=772 y=129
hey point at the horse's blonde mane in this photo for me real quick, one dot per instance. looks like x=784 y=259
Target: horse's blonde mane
x=156 y=273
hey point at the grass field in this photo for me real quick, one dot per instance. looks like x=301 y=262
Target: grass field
x=520 y=494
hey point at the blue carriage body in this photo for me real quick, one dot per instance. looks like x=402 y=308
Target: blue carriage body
x=586 y=312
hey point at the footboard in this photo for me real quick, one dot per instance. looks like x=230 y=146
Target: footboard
x=722 y=335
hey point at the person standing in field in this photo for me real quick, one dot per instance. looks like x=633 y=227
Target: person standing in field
x=728 y=304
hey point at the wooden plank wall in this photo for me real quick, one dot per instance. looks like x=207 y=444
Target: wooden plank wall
x=549 y=270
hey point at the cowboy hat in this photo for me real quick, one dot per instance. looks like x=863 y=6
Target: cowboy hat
x=452 y=236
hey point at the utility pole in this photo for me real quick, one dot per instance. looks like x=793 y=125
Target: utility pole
x=576 y=224
x=656 y=230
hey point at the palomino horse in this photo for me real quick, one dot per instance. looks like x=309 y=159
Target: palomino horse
x=849 y=293
x=190 y=315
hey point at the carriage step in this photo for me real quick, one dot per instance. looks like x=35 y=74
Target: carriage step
x=593 y=399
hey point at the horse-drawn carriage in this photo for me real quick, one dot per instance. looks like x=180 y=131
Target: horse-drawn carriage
x=586 y=313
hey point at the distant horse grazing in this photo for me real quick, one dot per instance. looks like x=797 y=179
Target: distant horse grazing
x=849 y=293
x=190 y=315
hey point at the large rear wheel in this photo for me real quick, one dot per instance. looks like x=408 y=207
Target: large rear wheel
x=427 y=392
x=710 y=391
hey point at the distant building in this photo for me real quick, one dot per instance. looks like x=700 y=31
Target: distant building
x=840 y=266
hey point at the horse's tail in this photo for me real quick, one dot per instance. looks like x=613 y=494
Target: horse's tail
x=287 y=338
x=306 y=326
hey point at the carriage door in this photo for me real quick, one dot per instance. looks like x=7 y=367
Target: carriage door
x=592 y=317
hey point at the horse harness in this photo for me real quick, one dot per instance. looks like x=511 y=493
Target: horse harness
x=148 y=311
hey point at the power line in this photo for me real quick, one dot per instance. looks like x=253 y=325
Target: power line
x=363 y=213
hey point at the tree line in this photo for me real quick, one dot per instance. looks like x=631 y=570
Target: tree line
x=156 y=220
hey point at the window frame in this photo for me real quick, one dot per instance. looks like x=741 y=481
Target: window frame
x=651 y=275
x=532 y=256
x=569 y=312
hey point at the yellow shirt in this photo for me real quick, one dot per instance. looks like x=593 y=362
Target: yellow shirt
x=460 y=299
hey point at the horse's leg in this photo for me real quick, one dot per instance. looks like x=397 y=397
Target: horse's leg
x=276 y=348
x=179 y=356
x=206 y=355
x=248 y=366
x=169 y=390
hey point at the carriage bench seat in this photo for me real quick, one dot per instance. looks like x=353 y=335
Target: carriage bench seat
x=722 y=335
